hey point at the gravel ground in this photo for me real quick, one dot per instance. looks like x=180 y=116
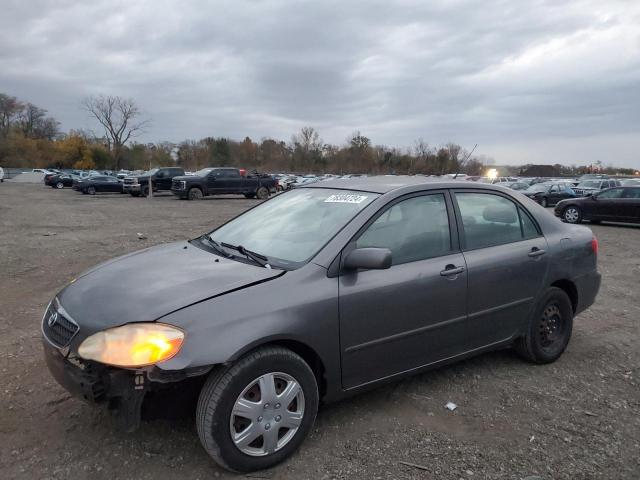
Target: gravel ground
x=575 y=419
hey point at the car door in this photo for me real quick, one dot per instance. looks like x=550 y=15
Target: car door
x=233 y=181
x=608 y=204
x=505 y=254
x=631 y=197
x=554 y=194
x=413 y=313
x=215 y=181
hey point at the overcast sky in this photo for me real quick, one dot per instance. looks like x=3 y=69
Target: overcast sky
x=529 y=81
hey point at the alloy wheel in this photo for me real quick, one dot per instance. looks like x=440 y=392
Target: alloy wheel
x=267 y=414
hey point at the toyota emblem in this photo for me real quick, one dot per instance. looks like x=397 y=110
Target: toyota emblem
x=53 y=318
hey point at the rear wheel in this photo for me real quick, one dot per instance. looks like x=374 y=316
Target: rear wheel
x=262 y=193
x=572 y=214
x=256 y=413
x=59 y=185
x=195 y=194
x=549 y=330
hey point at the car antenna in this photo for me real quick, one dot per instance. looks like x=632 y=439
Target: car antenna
x=466 y=158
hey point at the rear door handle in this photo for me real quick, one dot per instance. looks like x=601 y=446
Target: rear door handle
x=451 y=270
x=536 y=252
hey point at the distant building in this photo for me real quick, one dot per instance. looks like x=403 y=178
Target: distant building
x=539 y=171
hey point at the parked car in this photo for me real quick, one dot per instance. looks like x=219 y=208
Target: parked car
x=61 y=180
x=98 y=184
x=1 y=175
x=620 y=204
x=221 y=180
x=630 y=182
x=316 y=294
x=549 y=193
x=516 y=185
x=161 y=179
x=589 y=187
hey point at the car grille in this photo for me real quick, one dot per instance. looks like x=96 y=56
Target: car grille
x=58 y=328
x=130 y=181
x=178 y=185
x=582 y=192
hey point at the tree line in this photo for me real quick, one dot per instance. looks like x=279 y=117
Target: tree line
x=30 y=138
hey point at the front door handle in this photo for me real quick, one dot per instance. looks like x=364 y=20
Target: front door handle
x=536 y=252
x=451 y=270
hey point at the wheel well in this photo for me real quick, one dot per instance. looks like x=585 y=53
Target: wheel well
x=570 y=289
x=309 y=356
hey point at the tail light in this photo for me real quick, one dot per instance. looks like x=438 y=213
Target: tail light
x=594 y=245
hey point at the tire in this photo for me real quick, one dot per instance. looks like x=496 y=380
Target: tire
x=144 y=191
x=262 y=193
x=134 y=194
x=59 y=185
x=91 y=190
x=572 y=214
x=544 y=202
x=549 y=330
x=216 y=422
x=194 y=194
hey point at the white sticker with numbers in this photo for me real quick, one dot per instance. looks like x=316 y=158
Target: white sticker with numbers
x=346 y=198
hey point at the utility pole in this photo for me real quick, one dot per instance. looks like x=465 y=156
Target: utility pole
x=150 y=182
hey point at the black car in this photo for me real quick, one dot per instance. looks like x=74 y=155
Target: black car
x=620 y=204
x=549 y=193
x=160 y=180
x=61 y=180
x=224 y=180
x=98 y=183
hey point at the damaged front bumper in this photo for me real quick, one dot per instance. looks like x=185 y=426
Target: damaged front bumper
x=123 y=390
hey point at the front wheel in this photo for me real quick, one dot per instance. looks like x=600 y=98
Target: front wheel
x=59 y=185
x=195 y=194
x=256 y=413
x=572 y=214
x=549 y=330
x=91 y=190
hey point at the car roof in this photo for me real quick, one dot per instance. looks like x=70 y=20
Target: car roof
x=384 y=184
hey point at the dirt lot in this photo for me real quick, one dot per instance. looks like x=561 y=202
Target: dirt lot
x=576 y=419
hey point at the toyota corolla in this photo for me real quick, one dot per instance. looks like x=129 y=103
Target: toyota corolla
x=316 y=294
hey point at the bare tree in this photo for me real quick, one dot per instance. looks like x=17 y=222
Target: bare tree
x=120 y=118
x=10 y=107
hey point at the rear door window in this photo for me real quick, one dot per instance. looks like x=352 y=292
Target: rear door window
x=489 y=219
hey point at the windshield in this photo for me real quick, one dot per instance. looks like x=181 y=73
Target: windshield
x=590 y=184
x=292 y=227
x=151 y=172
x=204 y=172
x=538 y=187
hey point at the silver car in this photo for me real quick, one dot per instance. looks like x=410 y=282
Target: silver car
x=320 y=293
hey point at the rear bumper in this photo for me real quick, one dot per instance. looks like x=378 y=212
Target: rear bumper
x=588 y=287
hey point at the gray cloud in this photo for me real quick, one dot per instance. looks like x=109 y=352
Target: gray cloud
x=541 y=81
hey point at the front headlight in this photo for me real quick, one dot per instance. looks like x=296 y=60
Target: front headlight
x=133 y=345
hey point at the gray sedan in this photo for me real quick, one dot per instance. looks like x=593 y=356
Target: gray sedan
x=317 y=294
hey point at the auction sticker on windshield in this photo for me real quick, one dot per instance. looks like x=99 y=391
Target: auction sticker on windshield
x=346 y=198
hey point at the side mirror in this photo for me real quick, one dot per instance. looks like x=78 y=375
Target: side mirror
x=368 y=258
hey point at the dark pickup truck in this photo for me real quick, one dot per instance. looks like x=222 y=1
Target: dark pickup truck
x=219 y=180
x=160 y=180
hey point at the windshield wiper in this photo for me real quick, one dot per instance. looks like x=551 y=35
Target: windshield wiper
x=256 y=257
x=213 y=244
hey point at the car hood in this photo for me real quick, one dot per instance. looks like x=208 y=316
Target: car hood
x=186 y=177
x=148 y=284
